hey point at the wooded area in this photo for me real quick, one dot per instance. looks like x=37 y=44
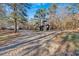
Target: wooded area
x=18 y=17
x=52 y=30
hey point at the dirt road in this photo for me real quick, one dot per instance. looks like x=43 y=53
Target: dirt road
x=31 y=43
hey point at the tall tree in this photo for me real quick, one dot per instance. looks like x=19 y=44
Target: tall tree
x=41 y=14
x=19 y=9
x=2 y=13
x=52 y=14
x=73 y=8
x=53 y=8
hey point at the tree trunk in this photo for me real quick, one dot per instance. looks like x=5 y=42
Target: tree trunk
x=15 y=24
x=15 y=19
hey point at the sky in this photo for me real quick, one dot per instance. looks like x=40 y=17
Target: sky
x=31 y=12
x=35 y=6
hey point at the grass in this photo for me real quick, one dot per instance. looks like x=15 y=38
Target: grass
x=71 y=37
x=3 y=38
x=69 y=42
x=8 y=36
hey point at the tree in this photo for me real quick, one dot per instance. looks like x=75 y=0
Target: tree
x=77 y=5
x=53 y=8
x=19 y=9
x=41 y=14
x=2 y=15
x=73 y=8
x=2 y=11
x=52 y=15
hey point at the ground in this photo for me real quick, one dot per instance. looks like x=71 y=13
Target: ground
x=28 y=42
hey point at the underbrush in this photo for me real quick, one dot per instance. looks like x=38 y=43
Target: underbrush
x=72 y=46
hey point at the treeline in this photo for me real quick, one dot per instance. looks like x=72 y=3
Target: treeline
x=58 y=18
